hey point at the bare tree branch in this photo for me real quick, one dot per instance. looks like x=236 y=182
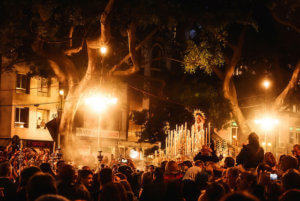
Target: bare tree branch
x=64 y=66
x=285 y=22
x=132 y=51
x=218 y=72
x=292 y=83
x=148 y=37
x=71 y=36
x=105 y=25
x=233 y=62
x=74 y=50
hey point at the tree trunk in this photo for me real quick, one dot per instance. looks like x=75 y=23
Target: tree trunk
x=279 y=101
x=230 y=94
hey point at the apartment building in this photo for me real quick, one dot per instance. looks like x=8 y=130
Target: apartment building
x=27 y=104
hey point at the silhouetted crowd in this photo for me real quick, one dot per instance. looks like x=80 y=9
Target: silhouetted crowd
x=253 y=175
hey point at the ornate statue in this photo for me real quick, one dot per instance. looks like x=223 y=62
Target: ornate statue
x=199 y=119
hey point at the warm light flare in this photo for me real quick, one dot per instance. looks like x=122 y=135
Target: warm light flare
x=266 y=84
x=61 y=92
x=133 y=154
x=267 y=123
x=103 y=50
x=99 y=103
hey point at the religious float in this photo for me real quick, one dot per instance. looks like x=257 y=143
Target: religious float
x=183 y=143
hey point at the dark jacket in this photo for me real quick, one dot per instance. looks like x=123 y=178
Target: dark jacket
x=153 y=192
x=8 y=190
x=250 y=156
x=73 y=192
x=204 y=158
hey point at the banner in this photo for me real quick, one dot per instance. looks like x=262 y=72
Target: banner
x=86 y=132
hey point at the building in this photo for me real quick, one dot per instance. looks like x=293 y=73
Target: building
x=27 y=104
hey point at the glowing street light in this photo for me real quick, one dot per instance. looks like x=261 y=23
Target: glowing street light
x=266 y=84
x=267 y=123
x=103 y=50
x=99 y=103
x=61 y=92
x=133 y=154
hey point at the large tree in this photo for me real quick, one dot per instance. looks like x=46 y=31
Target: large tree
x=65 y=37
x=230 y=38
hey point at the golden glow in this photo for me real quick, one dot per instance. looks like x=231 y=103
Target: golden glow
x=61 y=92
x=133 y=154
x=99 y=103
x=263 y=144
x=266 y=84
x=234 y=137
x=269 y=144
x=103 y=50
x=267 y=123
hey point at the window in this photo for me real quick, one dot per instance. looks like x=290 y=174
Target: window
x=21 y=117
x=23 y=84
x=291 y=137
x=42 y=118
x=43 y=87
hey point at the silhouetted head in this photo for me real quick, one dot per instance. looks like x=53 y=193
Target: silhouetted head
x=253 y=139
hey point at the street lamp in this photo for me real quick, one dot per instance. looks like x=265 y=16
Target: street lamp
x=61 y=92
x=266 y=84
x=266 y=124
x=61 y=95
x=133 y=154
x=99 y=103
x=103 y=50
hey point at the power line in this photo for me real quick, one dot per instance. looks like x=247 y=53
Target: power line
x=29 y=104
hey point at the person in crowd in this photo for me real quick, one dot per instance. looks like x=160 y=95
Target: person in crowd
x=193 y=171
x=296 y=153
x=231 y=178
x=185 y=165
x=51 y=197
x=239 y=196
x=206 y=180
x=207 y=154
x=112 y=192
x=251 y=154
x=105 y=176
x=129 y=192
x=46 y=168
x=269 y=160
x=201 y=180
x=163 y=165
x=40 y=184
x=173 y=191
x=7 y=188
x=288 y=162
x=189 y=190
x=290 y=195
x=67 y=186
x=291 y=180
x=214 y=192
x=155 y=190
x=172 y=172
x=85 y=181
x=26 y=174
x=229 y=162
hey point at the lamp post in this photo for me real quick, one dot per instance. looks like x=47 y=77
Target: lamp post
x=267 y=124
x=61 y=95
x=266 y=85
x=99 y=103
